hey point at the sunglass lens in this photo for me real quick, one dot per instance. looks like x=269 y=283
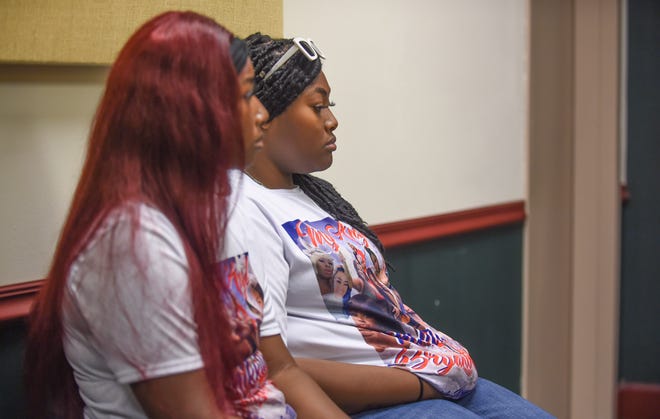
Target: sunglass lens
x=309 y=49
x=318 y=51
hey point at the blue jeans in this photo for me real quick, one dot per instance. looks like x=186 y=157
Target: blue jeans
x=488 y=400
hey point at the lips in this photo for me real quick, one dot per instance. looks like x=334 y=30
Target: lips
x=259 y=143
x=331 y=144
x=259 y=140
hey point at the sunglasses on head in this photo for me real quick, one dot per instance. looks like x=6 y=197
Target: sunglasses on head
x=305 y=46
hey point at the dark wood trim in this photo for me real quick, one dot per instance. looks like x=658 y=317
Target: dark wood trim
x=625 y=194
x=417 y=230
x=16 y=299
x=638 y=400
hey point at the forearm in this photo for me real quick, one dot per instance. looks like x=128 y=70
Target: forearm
x=305 y=395
x=300 y=390
x=361 y=387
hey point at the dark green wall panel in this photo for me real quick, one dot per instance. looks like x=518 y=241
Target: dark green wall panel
x=470 y=287
x=12 y=396
x=639 y=345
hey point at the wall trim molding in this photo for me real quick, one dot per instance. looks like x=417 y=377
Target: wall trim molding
x=16 y=299
x=417 y=230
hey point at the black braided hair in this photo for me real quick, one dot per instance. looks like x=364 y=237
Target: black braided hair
x=326 y=196
x=288 y=82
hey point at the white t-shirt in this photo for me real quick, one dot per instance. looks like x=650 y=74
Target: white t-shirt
x=331 y=295
x=128 y=319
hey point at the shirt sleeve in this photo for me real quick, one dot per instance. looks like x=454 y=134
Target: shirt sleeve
x=131 y=291
x=270 y=267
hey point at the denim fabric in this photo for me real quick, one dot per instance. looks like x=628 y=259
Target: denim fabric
x=488 y=400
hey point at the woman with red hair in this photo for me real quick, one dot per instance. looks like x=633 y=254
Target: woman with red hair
x=137 y=317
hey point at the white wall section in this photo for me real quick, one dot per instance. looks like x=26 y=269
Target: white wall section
x=43 y=129
x=431 y=100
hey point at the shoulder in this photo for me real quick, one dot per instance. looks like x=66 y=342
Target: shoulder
x=133 y=219
x=130 y=235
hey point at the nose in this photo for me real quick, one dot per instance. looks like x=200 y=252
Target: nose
x=261 y=115
x=259 y=118
x=331 y=123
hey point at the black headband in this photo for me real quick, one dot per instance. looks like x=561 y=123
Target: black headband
x=239 y=53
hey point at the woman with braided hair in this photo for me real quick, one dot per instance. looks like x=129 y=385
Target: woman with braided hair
x=394 y=364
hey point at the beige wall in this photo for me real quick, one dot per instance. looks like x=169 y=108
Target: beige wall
x=46 y=110
x=430 y=95
x=431 y=100
x=45 y=114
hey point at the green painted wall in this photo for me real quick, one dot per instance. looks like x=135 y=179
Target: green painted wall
x=639 y=344
x=12 y=338
x=470 y=287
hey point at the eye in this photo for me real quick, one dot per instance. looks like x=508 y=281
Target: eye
x=248 y=94
x=319 y=108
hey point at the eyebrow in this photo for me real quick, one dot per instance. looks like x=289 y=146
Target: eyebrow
x=321 y=91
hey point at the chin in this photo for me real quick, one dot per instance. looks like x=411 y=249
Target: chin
x=325 y=165
x=319 y=166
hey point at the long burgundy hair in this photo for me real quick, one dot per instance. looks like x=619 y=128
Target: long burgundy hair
x=165 y=132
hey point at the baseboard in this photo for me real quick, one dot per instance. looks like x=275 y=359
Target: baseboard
x=639 y=401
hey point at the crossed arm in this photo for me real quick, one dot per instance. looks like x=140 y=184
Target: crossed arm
x=311 y=386
x=362 y=387
x=301 y=391
x=315 y=387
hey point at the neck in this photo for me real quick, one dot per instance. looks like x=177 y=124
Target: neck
x=271 y=179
